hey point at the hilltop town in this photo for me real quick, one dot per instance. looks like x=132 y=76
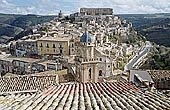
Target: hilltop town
x=78 y=39
x=86 y=60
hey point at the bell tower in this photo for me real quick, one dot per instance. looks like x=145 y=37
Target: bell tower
x=60 y=15
x=87 y=65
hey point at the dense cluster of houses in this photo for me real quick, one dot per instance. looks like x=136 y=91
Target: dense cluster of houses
x=74 y=49
x=80 y=44
x=61 y=37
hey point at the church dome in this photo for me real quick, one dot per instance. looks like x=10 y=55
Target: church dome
x=86 y=38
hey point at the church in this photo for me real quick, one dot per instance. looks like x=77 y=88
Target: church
x=89 y=66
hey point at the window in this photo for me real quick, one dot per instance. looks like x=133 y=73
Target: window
x=47 y=46
x=41 y=45
x=2 y=66
x=60 y=45
x=97 y=13
x=72 y=45
x=100 y=59
x=90 y=73
x=61 y=51
x=100 y=73
x=108 y=66
x=54 y=46
x=54 y=50
x=41 y=49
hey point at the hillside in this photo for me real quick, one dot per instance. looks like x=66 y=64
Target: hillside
x=13 y=25
x=158 y=59
x=133 y=38
x=155 y=27
x=158 y=32
x=141 y=21
x=12 y=30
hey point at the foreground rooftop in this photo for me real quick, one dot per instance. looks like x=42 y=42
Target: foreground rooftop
x=27 y=82
x=87 y=96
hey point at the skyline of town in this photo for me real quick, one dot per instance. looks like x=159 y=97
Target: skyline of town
x=91 y=59
x=52 y=7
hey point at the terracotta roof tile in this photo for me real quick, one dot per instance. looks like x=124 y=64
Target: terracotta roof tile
x=27 y=83
x=105 y=96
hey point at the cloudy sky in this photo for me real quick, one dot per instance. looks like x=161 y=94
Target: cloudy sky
x=51 y=7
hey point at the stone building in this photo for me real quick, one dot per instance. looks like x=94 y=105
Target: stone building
x=86 y=64
x=106 y=64
x=20 y=66
x=72 y=47
x=26 y=65
x=5 y=66
x=96 y=11
x=26 y=48
x=53 y=46
x=99 y=38
x=23 y=48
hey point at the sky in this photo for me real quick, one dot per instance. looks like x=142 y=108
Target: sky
x=52 y=7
